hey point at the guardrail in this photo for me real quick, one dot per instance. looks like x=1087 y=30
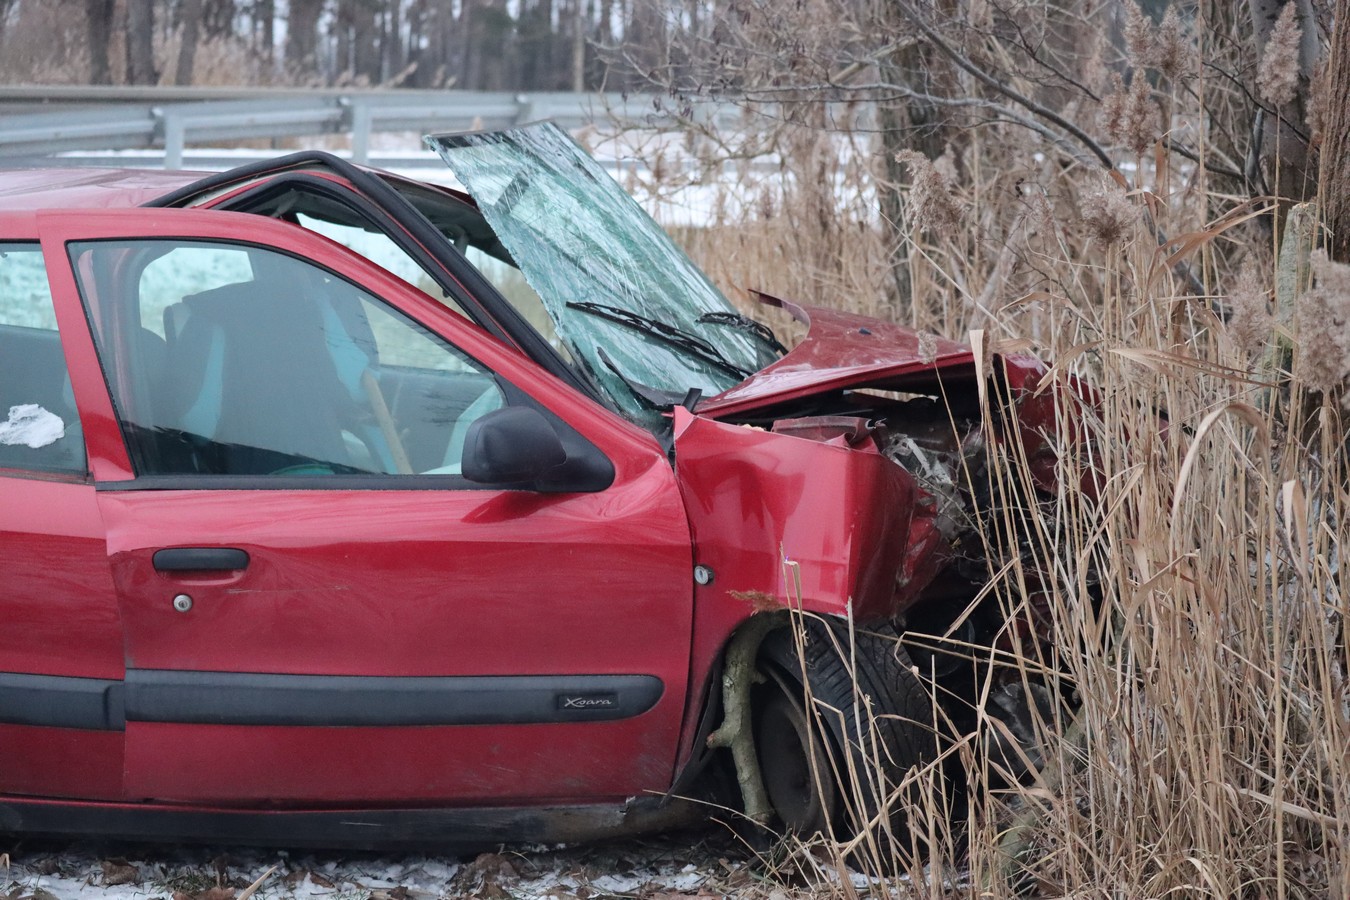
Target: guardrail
x=143 y=118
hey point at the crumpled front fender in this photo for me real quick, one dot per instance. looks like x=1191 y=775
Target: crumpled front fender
x=855 y=524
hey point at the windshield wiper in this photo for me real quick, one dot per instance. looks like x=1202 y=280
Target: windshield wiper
x=744 y=323
x=668 y=334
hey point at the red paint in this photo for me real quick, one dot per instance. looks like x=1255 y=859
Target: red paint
x=60 y=615
x=798 y=522
x=60 y=762
x=28 y=189
x=465 y=765
x=842 y=350
x=449 y=582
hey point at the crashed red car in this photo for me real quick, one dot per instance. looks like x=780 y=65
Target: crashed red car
x=341 y=508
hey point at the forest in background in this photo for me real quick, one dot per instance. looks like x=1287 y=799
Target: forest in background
x=1156 y=198
x=469 y=44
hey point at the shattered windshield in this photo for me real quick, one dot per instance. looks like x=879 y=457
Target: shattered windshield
x=630 y=306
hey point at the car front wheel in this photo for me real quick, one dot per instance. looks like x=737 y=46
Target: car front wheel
x=840 y=723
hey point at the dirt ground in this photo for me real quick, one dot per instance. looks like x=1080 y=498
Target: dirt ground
x=711 y=862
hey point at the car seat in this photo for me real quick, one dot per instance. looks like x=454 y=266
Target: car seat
x=255 y=388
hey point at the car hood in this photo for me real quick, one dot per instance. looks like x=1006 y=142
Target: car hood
x=842 y=350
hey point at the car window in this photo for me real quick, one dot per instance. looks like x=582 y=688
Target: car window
x=380 y=249
x=187 y=270
x=289 y=370
x=505 y=277
x=39 y=426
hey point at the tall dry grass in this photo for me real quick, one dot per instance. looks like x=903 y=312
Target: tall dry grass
x=1206 y=750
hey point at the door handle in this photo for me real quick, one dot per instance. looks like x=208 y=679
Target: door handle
x=200 y=559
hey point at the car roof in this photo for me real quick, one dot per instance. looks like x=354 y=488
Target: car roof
x=33 y=189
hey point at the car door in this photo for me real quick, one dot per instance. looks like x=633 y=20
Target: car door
x=319 y=608
x=60 y=636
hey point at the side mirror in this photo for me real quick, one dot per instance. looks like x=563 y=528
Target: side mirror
x=514 y=445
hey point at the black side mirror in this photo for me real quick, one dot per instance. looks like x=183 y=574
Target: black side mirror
x=515 y=445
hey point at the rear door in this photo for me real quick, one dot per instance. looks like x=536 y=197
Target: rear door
x=318 y=607
x=60 y=636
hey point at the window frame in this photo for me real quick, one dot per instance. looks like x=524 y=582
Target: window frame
x=72 y=429
x=132 y=269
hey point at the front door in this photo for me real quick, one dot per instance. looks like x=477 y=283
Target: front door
x=319 y=608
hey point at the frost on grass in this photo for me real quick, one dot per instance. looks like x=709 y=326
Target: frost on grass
x=1108 y=213
x=1323 y=320
x=1128 y=114
x=673 y=866
x=1277 y=77
x=31 y=426
x=1249 y=322
x=932 y=198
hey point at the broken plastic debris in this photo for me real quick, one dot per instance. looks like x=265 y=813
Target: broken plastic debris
x=32 y=426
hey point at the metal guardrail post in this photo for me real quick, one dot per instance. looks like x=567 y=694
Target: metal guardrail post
x=175 y=138
x=524 y=109
x=361 y=121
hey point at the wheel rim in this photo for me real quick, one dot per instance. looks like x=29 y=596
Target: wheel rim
x=786 y=754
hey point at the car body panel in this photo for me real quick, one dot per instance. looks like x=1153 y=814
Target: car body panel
x=843 y=350
x=401 y=652
x=791 y=522
x=72 y=763
x=27 y=189
x=389 y=583
x=61 y=627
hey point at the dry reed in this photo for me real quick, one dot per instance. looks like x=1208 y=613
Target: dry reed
x=1196 y=600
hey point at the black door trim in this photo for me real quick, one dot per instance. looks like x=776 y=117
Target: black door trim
x=236 y=698
x=57 y=701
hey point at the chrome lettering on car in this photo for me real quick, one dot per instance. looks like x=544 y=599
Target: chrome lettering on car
x=588 y=701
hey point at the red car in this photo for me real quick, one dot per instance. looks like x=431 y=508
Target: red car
x=340 y=508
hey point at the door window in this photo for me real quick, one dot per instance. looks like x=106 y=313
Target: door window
x=39 y=427
x=225 y=359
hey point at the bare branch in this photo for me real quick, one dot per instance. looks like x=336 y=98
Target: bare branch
x=1003 y=88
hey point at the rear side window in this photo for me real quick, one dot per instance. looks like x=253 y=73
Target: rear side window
x=39 y=427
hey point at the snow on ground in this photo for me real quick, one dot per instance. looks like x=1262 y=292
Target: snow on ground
x=702 y=864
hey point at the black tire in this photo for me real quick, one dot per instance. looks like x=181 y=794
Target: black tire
x=870 y=752
x=797 y=770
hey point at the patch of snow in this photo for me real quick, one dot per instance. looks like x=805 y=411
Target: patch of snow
x=32 y=426
x=78 y=871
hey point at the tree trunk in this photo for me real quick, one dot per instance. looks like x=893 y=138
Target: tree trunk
x=891 y=204
x=606 y=23
x=266 y=27
x=905 y=125
x=302 y=29
x=218 y=18
x=466 y=58
x=141 y=42
x=579 y=46
x=365 y=33
x=98 y=19
x=5 y=7
x=190 y=23
x=1335 y=151
x=392 y=49
x=1284 y=132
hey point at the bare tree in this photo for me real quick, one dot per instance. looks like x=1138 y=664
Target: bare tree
x=1334 y=102
x=141 y=42
x=98 y=20
x=189 y=28
x=302 y=35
